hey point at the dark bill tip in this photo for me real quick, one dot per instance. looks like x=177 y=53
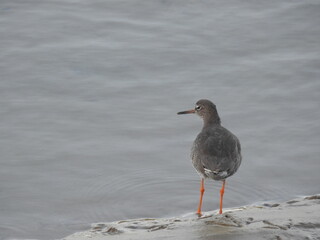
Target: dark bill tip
x=186 y=112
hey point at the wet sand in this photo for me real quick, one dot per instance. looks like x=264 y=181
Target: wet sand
x=295 y=219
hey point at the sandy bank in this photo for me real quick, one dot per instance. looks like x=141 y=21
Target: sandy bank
x=294 y=219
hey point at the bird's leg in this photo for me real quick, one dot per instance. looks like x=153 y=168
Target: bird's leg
x=221 y=195
x=201 y=195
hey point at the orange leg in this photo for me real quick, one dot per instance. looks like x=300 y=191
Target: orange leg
x=201 y=195
x=221 y=195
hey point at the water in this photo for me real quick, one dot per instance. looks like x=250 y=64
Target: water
x=90 y=91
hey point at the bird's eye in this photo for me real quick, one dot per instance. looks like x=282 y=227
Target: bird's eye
x=198 y=108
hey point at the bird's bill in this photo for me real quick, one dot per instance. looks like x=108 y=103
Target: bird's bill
x=188 y=111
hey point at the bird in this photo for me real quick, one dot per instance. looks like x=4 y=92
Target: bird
x=216 y=152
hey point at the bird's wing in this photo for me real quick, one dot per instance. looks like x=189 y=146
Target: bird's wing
x=221 y=143
x=219 y=151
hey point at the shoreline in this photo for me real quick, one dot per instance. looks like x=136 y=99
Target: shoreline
x=294 y=219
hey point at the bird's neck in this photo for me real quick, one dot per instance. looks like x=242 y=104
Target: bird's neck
x=213 y=120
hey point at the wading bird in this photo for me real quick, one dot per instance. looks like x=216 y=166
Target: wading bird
x=216 y=152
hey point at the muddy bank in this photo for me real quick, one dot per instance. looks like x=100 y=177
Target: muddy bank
x=295 y=219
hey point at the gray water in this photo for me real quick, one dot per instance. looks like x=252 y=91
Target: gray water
x=90 y=91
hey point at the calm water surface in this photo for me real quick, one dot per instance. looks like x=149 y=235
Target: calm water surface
x=90 y=91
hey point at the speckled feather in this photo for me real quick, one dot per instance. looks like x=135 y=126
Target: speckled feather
x=216 y=152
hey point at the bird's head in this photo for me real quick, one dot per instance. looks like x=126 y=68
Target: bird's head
x=206 y=110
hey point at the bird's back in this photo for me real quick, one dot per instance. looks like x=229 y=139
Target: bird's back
x=216 y=152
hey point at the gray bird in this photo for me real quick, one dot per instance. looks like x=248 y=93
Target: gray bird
x=216 y=152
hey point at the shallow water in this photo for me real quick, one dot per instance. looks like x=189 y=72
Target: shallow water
x=90 y=91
